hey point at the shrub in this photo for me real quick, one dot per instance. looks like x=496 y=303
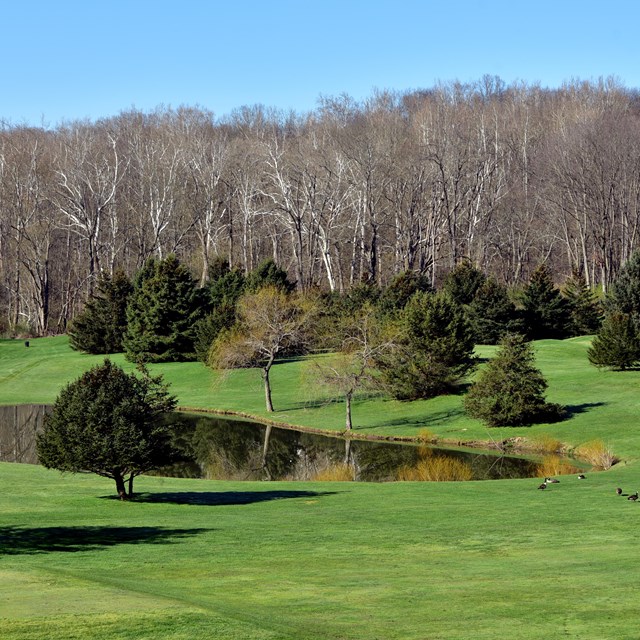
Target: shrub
x=436 y=468
x=544 y=443
x=341 y=472
x=555 y=466
x=597 y=454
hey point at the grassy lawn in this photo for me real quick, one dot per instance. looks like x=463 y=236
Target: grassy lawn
x=205 y=559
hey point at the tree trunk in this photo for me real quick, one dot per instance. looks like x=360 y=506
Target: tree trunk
x=267 y=388
x=122 y=492
x=265 y=450
x=349 y=424
x=131 y=485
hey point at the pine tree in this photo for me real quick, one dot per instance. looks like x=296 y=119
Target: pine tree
x=617 y=344
x=492 y=314
x=546 y=313
x=434 y=350
x=162 y=312
x=100 y=328
x=586 y=315
x=397 y=294
x=463 y=282
x=268 y=273
x=510 y=389
x=110 y=423
x=624 y=295
x=223 y=290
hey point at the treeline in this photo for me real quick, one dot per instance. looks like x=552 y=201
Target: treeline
x=506 y=177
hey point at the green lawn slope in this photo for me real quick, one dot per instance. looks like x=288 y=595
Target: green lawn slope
x=198 y=559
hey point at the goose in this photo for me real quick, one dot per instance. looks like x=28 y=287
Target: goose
x=551 y=480
x=619 y=491
x=542 y=486
x=582 y=476
x=633 y=496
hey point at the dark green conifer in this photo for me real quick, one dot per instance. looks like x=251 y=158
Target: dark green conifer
x=463 y=282
x=546 y=313
x=492 y=313
x=434 y=350
x=101 y=326
x=586 y=314
x=617 y=344
x=162 y=312
x=510 y=390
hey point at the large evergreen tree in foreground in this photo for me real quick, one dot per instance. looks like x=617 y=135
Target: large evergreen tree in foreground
x=510 y=389
x=110 y=423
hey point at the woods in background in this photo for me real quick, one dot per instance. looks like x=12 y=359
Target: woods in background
x=504 y=177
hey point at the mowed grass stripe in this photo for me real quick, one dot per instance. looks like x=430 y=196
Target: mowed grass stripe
x=360 y=561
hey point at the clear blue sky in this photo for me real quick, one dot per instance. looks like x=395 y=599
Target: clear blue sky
x=68 y=59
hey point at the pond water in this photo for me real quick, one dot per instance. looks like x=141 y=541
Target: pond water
x=225 y=448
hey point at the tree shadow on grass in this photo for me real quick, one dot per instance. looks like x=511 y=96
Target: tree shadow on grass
x=576 y=409
x=428 y=419
x=30 y=540
x=214 y=498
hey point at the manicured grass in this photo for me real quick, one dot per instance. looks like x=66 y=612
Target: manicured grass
x=204 y=559
x=603 y=404
x=229 y=560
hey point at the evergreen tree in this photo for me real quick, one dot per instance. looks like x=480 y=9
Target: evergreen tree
x=492 y=314
x=222 y=293
x=396 y=295
x=110 y=423
x=162 y=312
x=268 y=273
x=624 y=294
x=434 y=350
x=617 y=344
x=463 y=282
x=586 y=315
x=510 y=390
x=100 y=328
x=546 y=312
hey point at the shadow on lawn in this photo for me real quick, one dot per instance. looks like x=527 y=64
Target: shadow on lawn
x=575 y=409
x=214 y=498
x=27 y=540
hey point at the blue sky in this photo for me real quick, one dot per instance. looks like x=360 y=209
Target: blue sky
x=67 y=60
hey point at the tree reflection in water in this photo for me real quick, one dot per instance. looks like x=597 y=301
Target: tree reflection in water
x=233 y=449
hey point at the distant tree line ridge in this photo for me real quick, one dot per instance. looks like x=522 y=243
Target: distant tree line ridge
x=505 y=177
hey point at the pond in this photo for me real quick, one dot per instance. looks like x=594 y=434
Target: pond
x=235 y=449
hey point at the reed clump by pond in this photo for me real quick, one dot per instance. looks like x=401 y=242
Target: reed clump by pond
x=341 y=472
x=597 y=454
x=436 y=468
x=554 y=465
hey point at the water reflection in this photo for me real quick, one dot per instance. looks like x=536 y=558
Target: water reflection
x=219 y=448
x=231 y=449
x=18 y=427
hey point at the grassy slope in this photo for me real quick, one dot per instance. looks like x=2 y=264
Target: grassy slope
x=333 y=560
x=336 y=560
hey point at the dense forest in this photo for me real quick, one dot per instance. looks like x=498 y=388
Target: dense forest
x=505 y=176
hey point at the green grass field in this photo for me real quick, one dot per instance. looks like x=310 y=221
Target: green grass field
x=207 y=559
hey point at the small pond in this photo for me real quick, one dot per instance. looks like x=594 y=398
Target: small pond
x=234 y=449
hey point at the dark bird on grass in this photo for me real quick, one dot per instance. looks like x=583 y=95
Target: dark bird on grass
x=582 y=476
x=551 y=480
x=542 y=486
x=633 y=496
x=619 y=491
